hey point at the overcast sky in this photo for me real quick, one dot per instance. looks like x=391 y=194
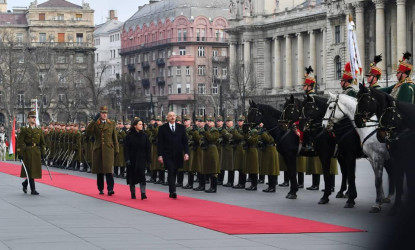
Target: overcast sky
x=125 y=8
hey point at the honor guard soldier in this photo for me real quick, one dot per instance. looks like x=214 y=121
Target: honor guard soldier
x=156 y=167
x=347 y=81
x=104 y=150
x=226 y=163
x=31 y=149
x=197 y=162
x=76 y=148
x=403 y=90
x=187 y=165
x=251 y=160
x=84 y=143
x=375 y=73
x=210 y=165
x=219 y=127
x=239 y=152
x=119 y=160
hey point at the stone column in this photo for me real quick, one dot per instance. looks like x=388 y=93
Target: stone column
x=401 y=27
x=232 y=60
x=313 y=58
x=247 y=59
x=380 y=29
x=360 y=32
x=300 y=59
x=277 y=84
x=323 y=62
x=288 y=69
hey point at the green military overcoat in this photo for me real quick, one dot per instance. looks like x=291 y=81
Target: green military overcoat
x=210 y=163
x=251 y=157
x=227 y=150
x=403 y=92
x=188 y=164
x=269 y=164
x=239 y=151
x=119 y=160
x=105 y=146
x=196 y=151
x=31 y=145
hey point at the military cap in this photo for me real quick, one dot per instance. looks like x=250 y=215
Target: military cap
x=136 y=118
x=219 y=118
x=126 y=122
x=374 y=70
x=103 y=109
x=158 y=118
x=82 y=124
x=152 y=118
x=404 y=65
x=32 y=114
x=229 y=118
x=119 y=121
x=199 y=118
x=241 y=118
x=178 y=118
x=210 y=118
x=186 y=117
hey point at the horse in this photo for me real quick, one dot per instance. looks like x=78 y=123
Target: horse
x=349 y=149
x=286 y=140
x=3 y=147
x=396 y=129
x=376 y=152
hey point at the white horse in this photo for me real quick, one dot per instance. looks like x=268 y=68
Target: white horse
x=341 y=106
x=3 y=147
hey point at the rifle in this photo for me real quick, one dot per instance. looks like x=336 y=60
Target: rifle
x=182 y=116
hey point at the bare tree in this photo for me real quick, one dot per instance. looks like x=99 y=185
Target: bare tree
x=96 y=83
x=243 y=84
x=13 y=73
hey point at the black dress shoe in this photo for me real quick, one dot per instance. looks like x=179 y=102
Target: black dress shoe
x=143 y=196
x=269 y=190
x=251 y=188
x=211 y=190
x=133 y=196
x=173 y=195
x=300 y=185
x=34 y=192
x=239 y=186
x=158 y=182
x=332 y=190
x=188 y=187
x=261 y=181
x=101 y=192
x=24 y=188
x=284 y=184
x=165 y=183
x=312 y=188
x=199 y=188
x=179 y=184
x=228 y=185
x=111 y=192
x=151 y=180
x=220 y=182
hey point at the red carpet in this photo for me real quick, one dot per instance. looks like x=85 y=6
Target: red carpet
x=216 y=216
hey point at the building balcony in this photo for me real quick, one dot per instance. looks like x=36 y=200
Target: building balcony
x=62 y=23
x=180 y=97
x=146 y=83
x=220 y=59
x=160 y=62
x=131 y=67
x=145 y=65
x=160 y=80
x=219 y=78
x=65 y=45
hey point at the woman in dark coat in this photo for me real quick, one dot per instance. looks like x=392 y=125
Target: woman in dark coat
x=137 y=155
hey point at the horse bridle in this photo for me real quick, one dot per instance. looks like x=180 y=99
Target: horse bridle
x=308 y=119
x=330 y=123
x=283 y=120
x=387 y=128
x=366 y=115
x=258 y=113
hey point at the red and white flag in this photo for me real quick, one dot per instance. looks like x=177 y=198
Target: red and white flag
x=355 y=62
x=13 y=138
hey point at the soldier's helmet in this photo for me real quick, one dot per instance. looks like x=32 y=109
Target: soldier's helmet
x=404 y=65
x=347 y=73
x=309 y=79
x=31 y=114
x=375 y=70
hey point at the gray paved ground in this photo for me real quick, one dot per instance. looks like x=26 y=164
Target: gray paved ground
x=59 y=219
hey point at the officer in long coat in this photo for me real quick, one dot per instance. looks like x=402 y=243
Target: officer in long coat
x=31 y=149
x=104 y=149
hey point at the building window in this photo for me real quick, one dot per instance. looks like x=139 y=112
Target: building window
x=219 y=35
x=60 y=17
x=42 y=37
x=179 y=35
x=170 y=90
x=79 y=59
x=182 y=51
x=224 y=72
x=187 y=88
x=61 y=78
x=215 y=71
x=337 y=34
x=61 y=97
x=19 y=37
x=97 y=41
x=338 y=67
x=178 y=71
x=184 y=109
x=179 y=88
x=147 y=91
x=214 y=53
x=214 y=89
x=200 y=35
x=161 y=90
x=188 y=70
x=169 y=72
x=42 y=17
x=201 y=110
x=79 y=37
x=62 y=59
x=184 y=35
x=202 y=88
x=78 y=17
x=201 y=70
x=201 y=51
x=20 y=99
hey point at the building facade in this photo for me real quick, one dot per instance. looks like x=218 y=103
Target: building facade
x=53 y=44
x=175 y=56
x=278 y=43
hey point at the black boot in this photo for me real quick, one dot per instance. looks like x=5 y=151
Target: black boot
x=213 y=184
x=286 y=180
x=271 y=184
x=231 y=178
x=180 y=177
x=220 y=177
x=202 y=183
x=132 y=190
x=32 y=187
x=315 y=183
x=300 y=180
x=24 y=184
x=190 y=179
x=254 y=183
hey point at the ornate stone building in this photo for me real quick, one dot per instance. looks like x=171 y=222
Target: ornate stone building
x=278 y=43
x=53 y=44
x=175 y=53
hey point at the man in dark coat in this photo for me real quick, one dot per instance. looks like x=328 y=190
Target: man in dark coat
x=172 y=144
x=104 y=149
